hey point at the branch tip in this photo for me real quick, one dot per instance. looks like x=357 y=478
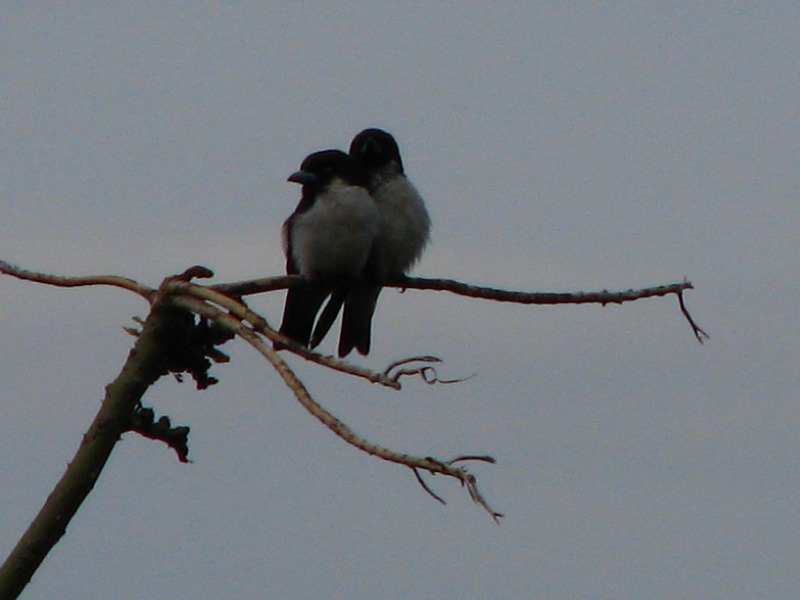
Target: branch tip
x=699 y=334
x=428 y=374
x=195 y=272
x=425 y=487
x=482 y=458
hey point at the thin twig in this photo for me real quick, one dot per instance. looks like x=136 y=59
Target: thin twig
x=698 y=333
x=405 y=361
x=487 y=293
x=426 y=487
x=255 y=286
x=466 y=457
x=499 y=295
x=59 y=281
x=329 y=420
x=428 y=374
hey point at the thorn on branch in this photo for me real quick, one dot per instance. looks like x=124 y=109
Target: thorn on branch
x=143 y=422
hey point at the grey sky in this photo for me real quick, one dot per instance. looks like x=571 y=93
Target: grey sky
x=560 y=146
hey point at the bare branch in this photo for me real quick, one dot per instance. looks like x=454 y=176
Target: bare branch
x=220 y=303
x=467 y=480
x=604 y=297
x=59 y=281
x=260 y=325
x=698 y=333
x=474 y=291
x=477 y=497
x=266 y=284
x=329 y=420
x=115 y=416
x=487 y=293
x=258 y=286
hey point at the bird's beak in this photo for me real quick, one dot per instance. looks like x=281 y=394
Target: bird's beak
x=303 y=177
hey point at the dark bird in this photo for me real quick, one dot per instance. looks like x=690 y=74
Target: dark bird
x=329 y=240
x=406 y=225
x=404 y=233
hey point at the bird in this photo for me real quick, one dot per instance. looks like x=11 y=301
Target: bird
x=329 y=240
x=404 y=233
x=406 y=223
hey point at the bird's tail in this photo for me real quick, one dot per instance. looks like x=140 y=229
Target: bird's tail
x=359 y=306
x=300 y=311
x=328 y=315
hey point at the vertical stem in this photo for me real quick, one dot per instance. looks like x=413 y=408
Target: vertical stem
x=141 y=369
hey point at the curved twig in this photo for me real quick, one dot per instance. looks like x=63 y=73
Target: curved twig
x=698 y=333
x=260 y=325
x=329 y=420
x=113 y=280
x=425 y=486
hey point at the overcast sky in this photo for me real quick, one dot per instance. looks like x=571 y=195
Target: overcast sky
x=560 y=147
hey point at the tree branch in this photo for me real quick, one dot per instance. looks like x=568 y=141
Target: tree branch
x=259 y=324
x=255 y=286
x=517 y=297
x=59 y=281
x=155 y=354
x=122 y=398
x=269 y=284
x=329 y=420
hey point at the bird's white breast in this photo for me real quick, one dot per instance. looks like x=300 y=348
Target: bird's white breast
x=406 y=225
x=335 y=236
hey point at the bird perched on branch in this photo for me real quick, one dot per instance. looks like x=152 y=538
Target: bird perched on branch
x=404 y=232
x=406 y=225
x=329 y=240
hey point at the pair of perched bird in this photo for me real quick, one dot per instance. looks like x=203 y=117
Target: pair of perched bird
x=360 y=223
